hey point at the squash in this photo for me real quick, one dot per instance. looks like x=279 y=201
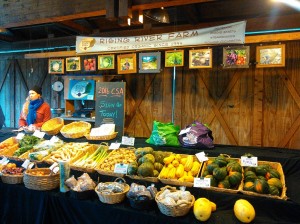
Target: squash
x=234 y=166
x=249 y=176
x=220 y=173
x=195 y=168
x=132 y=168
x=249 y=168
x=244 y=211
x=248 y=186
x=202 y=209
x=171 y=174
x=158 y=166
x=169 y=159
x=164 y=173
x=273 y=190
x=235 y=178
x=189 y=163
x=175 y=163
x=261 y=170
x=213 y=181
x=148 y=158
x=224 y=184
x=261 y=186
x=272 y=173
x=210 y=168
x=221 y=161
x=275 y=182
x=179 y=171
x=155 y=173
x=146 y=169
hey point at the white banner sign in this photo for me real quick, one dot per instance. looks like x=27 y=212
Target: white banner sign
x=233 y=33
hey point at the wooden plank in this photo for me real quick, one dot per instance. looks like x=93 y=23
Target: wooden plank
x=257 y=121
x=55 y=54
x=273 y=37
x=8 y=65
x=293 y=129
x=83 y=30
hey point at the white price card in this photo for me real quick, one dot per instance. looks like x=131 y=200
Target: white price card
x=27 y=164
x=201 y=156
x=114 y=145
x=127 y=141
x=54 y=167
x=121 y=168
x=39 y=134
x=20 y=136
x=4 y=161
x=202 y=182
x=183 y=131
x=249 y=161
x=54 y=139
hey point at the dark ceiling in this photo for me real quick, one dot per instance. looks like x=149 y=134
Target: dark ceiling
x=29 y=23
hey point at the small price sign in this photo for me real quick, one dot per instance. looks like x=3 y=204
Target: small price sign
x=183 y=131
x=39 y=134
x=249 y=161
x=121 y=168
x=54 y=139
x=202 y=182
x=114 y=145
x=127 y=141
x=20 y=136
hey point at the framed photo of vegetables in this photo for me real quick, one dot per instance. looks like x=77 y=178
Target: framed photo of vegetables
x=270 y=56
x=89 y=64
x=236 y=57
x=126 y=63
x=73 y=64
x=200 y=58
x=149 y=62
x=106 y=61
x=174 y=58
x=56 y=66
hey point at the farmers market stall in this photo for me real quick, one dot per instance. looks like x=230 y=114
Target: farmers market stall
x=22 y=205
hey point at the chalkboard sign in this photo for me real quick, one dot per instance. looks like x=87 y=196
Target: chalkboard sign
x=110 y=108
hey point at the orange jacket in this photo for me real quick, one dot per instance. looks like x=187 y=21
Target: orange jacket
x=43 y=114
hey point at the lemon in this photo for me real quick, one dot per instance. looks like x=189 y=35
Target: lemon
x=244 y=211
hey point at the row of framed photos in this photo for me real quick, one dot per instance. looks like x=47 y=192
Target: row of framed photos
x=233 y=57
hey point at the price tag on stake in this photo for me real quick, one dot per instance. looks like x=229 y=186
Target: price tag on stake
x=249 y=161
x=39 y=134
x=201 y=156
x=54 y=139
x=20 y=136
x=26 y=163
x=4 y=161
x=202 y=182
x=121 y=168
x=115 y=145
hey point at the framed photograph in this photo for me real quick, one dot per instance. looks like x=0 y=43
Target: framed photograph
x=270 y=56
x=106 y=61
x=73 y=64
x=81 y=89
x=56 y=66
x=174 y=58
x=126 y=63
x=89 y=64
x=236 y=57
x=149 y=62
x=200 y=58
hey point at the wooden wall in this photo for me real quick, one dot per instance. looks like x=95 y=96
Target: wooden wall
x=246 y=106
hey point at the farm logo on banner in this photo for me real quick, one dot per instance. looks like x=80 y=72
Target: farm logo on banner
x=233 y=33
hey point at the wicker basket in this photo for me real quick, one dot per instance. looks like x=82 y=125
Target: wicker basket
x=103 y=138
x=175 y=210
x=12 y=179
x=41 y=183
x=53 y=126
x=76 y=129
x=113 y=198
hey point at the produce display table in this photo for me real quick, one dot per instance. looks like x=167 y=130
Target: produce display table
x=21 y=205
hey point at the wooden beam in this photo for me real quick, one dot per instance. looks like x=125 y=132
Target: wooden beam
x=77 y=27
x=55 y=54
x=278 y=37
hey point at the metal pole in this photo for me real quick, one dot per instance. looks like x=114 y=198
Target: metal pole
x=173 y=93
